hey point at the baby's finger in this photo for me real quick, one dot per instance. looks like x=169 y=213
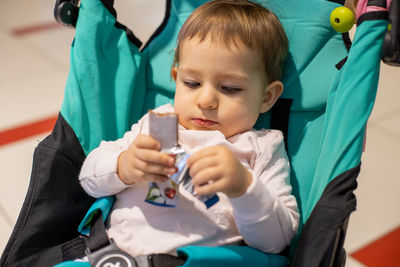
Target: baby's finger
x=146 y=142
x=205 y=176
x=205 y=152
x=209 y=188
x=153 y=156
x=137 y=175
x=202 y=164
x=154 y=168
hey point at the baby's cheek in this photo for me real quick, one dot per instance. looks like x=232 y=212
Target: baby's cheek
x=184 y=122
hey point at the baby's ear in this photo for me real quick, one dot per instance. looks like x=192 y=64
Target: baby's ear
x=174 y=72
x=271 y=94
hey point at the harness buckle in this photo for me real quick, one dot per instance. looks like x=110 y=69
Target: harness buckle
x=112 y=256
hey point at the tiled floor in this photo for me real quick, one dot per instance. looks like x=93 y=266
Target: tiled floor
x=33 y=70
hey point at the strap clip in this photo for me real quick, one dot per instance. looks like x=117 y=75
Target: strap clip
x=112 y=256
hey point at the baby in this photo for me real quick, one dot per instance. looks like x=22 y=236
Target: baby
x=227 y=67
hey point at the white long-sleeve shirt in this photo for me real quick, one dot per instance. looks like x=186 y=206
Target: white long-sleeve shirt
x=265 y=217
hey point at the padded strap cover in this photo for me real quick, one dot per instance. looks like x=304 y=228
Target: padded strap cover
x=103 y=204
x=233 y=256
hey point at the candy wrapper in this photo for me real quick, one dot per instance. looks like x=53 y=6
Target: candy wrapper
x=164 y=128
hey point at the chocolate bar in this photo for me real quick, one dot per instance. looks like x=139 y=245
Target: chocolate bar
x=164 y=128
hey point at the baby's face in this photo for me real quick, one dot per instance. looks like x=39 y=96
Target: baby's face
x=219 y=88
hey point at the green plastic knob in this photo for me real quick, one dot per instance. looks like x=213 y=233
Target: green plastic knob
x=342 y=19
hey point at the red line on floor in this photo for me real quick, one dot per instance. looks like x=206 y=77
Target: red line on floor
x=28 y=130
x=382 y=252
x=35 y=28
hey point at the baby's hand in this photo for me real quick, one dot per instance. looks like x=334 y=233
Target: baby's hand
x=216 y=169
x=143 y=161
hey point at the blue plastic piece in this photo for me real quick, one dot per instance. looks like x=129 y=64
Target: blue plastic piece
x=232 y=256
x=73 y=264
x=104 y=205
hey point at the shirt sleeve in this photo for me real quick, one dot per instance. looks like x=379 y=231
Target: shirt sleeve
x=98 y=175
x=267 y=215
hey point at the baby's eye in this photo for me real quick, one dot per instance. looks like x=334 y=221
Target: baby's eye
x=231 y=89
x=191 y=84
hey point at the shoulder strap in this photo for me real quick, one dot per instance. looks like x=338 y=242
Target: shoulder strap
x=280 y=116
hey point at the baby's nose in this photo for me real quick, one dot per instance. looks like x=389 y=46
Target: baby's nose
x=208 y=98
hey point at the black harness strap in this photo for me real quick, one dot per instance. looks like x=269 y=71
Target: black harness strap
x=74 y=249
x=165 y=260
x=347 y=42
x=376 y=15
x=97 y=244
x=280 y=116
x=98 y=237
x=340 y=64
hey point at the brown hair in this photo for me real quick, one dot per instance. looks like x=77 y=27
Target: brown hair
x=230 y=21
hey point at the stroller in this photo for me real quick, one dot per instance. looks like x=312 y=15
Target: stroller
x=330 y=87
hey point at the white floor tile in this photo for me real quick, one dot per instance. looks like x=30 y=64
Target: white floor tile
x=16 y=165
x=387 y=99
x=5 y=233
x=142 y=18
x=21 y=13
x=31 y=98
x=389 y=123
x=20 y=61
x=53 y=45
x=378 y=191
x=350 y=262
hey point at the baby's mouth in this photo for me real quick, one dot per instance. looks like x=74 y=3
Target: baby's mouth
x=203 y=122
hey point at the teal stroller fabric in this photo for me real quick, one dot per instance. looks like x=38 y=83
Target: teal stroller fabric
x=113 y=81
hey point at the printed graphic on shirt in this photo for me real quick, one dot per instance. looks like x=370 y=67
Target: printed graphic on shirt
x=166 y=194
